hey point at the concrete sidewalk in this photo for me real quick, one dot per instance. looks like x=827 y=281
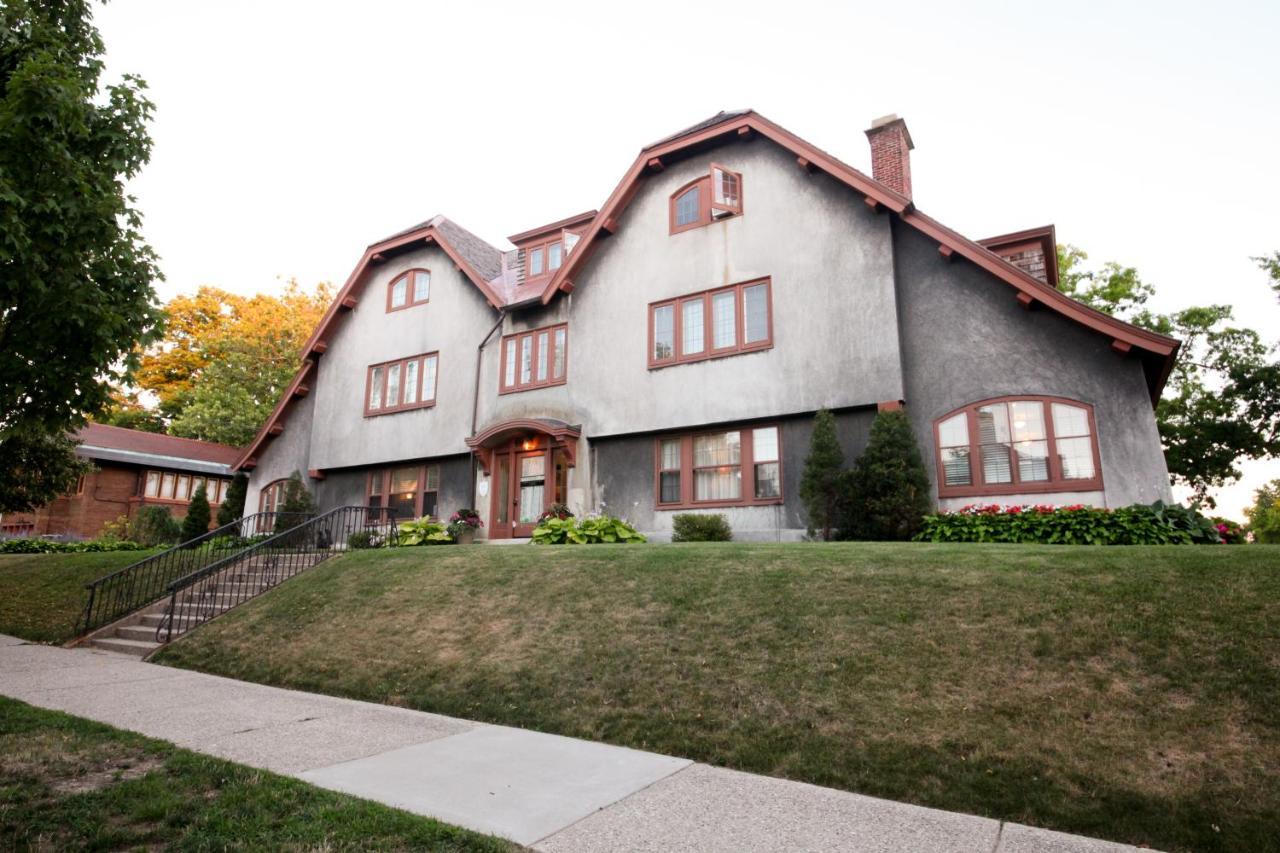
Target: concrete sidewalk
x=549 y=792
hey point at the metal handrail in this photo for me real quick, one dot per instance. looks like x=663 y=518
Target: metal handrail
x=125 y=590
x=215 y=588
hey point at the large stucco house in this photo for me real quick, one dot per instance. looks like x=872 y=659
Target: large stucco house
x=666 y=353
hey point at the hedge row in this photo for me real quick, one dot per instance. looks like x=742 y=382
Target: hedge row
x=46 y=546
x=1139 y=524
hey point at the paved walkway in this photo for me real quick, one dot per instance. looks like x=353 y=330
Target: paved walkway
x=553 y=793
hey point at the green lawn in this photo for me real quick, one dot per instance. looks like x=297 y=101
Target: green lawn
x=42 y=595
x=1127 y=693
x=71 y=784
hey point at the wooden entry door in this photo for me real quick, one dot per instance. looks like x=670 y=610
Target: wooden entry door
x=531 y=489
x=528 y=476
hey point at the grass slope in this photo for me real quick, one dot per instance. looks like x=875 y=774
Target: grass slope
x=42 y=595
x=1127 y=693
x=71 y=784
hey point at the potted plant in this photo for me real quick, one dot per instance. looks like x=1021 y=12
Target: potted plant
x=463 y=525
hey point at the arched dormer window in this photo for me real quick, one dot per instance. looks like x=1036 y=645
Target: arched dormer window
x=1017 y=445
x=713 y=196
x=410 y=288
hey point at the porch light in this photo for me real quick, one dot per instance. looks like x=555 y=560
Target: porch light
x=529 y=444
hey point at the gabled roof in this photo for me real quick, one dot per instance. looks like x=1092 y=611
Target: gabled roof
x=1045 y=238
x=102 y=441
x=744 y=124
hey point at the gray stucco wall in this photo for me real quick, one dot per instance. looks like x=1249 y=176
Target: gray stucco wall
x=965 y=338
x=284 y=454
x=348 y=487
x=624 y=479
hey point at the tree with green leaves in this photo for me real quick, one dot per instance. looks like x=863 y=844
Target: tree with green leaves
x=1222 y=400
x=76 y=296
x=232 y=506
x=197 y=521
x=888 y=489
x=297 y=506
x=820 y=481
x=1264 y=515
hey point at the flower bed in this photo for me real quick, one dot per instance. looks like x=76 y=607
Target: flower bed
x=1139 y=524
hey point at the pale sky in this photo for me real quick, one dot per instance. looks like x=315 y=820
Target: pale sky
x=288 y=136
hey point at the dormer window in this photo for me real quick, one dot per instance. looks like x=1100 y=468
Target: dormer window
x=536 y=262
x=409 y=289
x=544 y=258
x=717 y=195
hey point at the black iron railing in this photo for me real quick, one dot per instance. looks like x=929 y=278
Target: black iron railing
x=122 y=592
x=217 y=587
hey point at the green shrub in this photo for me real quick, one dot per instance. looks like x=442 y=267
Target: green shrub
x=46 y=546
x=1192 y=522
x=232 y=506
x=695 y=527
x=298 y=504
x=886 y=495
x=1138 y=524
x=592 y=530
x=1231 y=532
x=152 y=526
x=362 y=539
x=820 y=483
x=1264 y=514
x=424 y=531
x=196 y=523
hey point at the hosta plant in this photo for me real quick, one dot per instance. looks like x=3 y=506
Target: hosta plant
x=424 y=531
x=591 y=530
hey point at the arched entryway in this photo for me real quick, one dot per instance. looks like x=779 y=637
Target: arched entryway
x=527 y=462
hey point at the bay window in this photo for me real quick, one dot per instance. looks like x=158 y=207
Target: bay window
x=734 y=467
x=713 y=323
x=534 y=359
x=1017 y=445
x=395 y=386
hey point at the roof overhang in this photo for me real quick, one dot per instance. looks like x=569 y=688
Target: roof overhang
x=154 y=460
x=559 y=225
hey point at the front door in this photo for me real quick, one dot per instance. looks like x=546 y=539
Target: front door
x=530 y=490
x=529 y=476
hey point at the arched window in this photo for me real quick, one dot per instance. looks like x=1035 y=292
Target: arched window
x=408 y=289
x=1017 y=445
x=713 y=196
x=271 y=498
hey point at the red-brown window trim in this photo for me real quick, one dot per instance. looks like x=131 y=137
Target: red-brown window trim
x=1055 y=483
x=513 y=341
x=213 y=499
x=545 y=246
x=746 y=463
x=420 y=403
x=384 y=476
x=708 y=351
x=266 y=490
x=707 y=206
x=409 y=301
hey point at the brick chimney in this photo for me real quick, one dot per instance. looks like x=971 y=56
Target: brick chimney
x=891 y=153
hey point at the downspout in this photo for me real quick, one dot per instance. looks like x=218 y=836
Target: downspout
x=475 y=399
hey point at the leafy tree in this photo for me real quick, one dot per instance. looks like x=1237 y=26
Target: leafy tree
x=297 y=505
x=232 y=506
x=125 y=410
x=226 y=359
x=820 y=482
x=1270 y=264
x=1264 y=515
x=888 y=494
x=153 y=525
x=197 y=521
x=76 y=277
x=1222 y=401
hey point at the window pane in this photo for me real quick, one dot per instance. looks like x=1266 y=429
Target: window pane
x=166 y=488
x=1033 y=460
x=557 y=367
x=692 y=328
x=222 y=489
x=542 y=356
x=764 y=444
x=375 y=484
x=535 y=262
x=1028 y=421
x=398 y=291
x=664 y=332
x=429 y=504
x=1076 y=456
x=687 y=207
x=433 y=478
x=717 y=484
x=404 y=492
x=421 y=286
x=669 y=482
x=726 y=187
x=526 y=359
x=375 y=390
x=955 y=466
x=184 y=488
x=196 y=483
x=755 y=312
x=555 y=255
x=570 y=240
x=411 y=381
x=509 y=364
x=768 y=483
x=393 y=385
x=1069 y=421
x=670 y=454
x=722 y=448
x=153 y=484
x=954 y=431
x=724 y=325
x=993 y=436
x=429 y=378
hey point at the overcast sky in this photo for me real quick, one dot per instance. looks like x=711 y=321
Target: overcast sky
x=288 y=136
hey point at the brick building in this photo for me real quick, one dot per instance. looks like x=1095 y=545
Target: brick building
x=133 y=468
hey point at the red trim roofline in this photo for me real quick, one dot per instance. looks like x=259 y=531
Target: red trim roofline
x=1030 y=289
x=579 y=219
x=1045 y=235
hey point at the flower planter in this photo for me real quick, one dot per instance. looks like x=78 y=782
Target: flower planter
x=467 y=536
